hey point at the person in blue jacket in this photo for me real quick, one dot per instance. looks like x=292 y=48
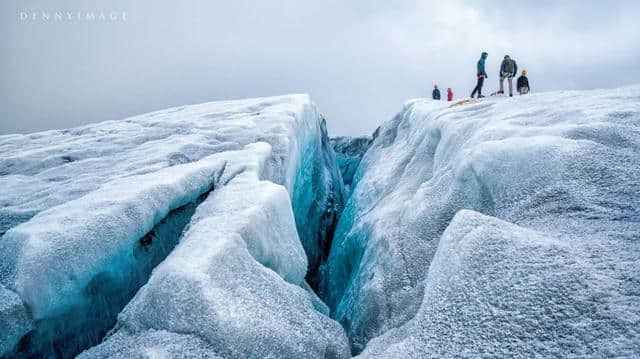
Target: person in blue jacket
x=481 y=74
x=436 y=93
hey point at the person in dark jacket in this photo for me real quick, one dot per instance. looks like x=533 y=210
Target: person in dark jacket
x=523 y=84
x=508 y=70
x=436 y=93
x=481 y=75
x=449 y=94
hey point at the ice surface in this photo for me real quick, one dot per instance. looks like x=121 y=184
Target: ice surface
x=61 y=165
x=14 y=320
x=495 y=289
x=68 y=260
x=90 y=211
x=54 y=256
x=152 y=344
x=349 y=152
x=561 y=167
x=223 y=282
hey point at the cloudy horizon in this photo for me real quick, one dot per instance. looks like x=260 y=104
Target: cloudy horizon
x=359 y=61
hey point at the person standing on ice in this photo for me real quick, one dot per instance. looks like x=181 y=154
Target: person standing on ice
x=508 y=70
x=449 y=94
x=523 y=84
x=436 y=93
x=481 y=74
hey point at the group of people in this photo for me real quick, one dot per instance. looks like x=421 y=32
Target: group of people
x=508 y=70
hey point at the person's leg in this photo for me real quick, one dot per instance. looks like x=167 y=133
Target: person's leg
x=477 y=88
x=510 y=79
x=480 y=83
x=501 y=90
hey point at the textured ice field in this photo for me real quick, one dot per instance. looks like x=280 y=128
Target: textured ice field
x=550 y=268
x=89 y=212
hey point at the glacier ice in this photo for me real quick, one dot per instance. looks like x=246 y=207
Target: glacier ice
x=349 y=152
x=563 y=165
x=318 y=204
x=495 y=289
x=90 y=211
x=83 y=258
x=224 y=281
x=153 y=344
x=14 y=319
x=499 y=228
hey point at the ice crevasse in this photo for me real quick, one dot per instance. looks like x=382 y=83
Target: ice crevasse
x=507 y=227
x=349 y=152
x=188 y=230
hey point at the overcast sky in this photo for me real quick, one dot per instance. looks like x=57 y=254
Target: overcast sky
x=359 y=60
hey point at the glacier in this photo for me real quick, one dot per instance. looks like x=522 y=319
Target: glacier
x=506 y=227
x=95 y=219
x=349 y=152
x=502 y=227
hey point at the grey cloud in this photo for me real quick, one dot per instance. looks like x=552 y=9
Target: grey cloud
x=359 y=60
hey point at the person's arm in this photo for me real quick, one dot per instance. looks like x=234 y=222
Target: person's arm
x=515 y=68
x=482 y=70
x=526 y=80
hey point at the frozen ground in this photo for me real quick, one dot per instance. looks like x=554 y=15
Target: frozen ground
x=545 y=261
x=89 y=212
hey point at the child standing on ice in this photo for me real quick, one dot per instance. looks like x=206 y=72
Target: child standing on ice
x=523 y=84
x=449 y=94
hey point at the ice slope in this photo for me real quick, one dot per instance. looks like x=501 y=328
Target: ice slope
x=90 y=211
x=551 y=267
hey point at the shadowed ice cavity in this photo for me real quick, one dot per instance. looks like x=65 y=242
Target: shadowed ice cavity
x=317 y=200
x=84 y=321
